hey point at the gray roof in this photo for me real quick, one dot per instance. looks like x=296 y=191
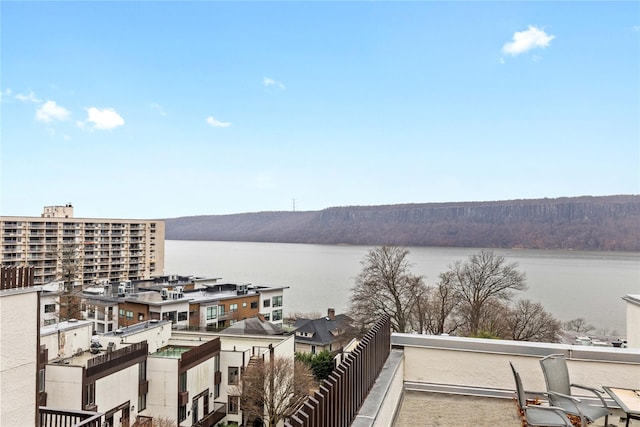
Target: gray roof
x=253 y=326
x=321 y=329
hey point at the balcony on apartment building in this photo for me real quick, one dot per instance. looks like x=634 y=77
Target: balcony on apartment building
x=50 y=417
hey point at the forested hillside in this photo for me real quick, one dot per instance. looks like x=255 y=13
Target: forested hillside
x=580 y=223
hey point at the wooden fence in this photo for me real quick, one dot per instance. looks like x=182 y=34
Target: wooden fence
x=337 y=402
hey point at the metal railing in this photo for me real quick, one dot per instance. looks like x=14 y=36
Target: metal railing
x=51 y=417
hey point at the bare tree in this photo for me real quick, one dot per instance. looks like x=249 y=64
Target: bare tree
x=272 y=390
x=385 y=286
x=443 y=306
x=579 y=325
x=68 y=258
x=528 y=321
x=482 y=278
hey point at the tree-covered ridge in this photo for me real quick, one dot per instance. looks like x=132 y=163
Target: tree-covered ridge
x=581 y=223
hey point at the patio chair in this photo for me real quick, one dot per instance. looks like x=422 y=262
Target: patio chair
x=537 y=415
x=556 y=375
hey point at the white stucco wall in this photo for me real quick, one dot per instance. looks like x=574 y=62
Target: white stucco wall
x=118 y=388
x=162 y=398
x=633 y=321
x=66 y=338
x=64 y=386
x=18 y=356
x=490 y=369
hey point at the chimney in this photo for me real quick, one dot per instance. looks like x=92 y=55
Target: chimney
x=331 y=314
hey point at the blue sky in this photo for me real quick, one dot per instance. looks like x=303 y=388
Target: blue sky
x=165 y=109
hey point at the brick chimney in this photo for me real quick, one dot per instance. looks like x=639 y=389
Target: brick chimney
x=331 y=314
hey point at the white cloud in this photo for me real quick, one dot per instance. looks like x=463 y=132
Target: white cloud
x=212 y=121
x=104 y=119
x=270 y=82
x=50 y=111
x=524 y=41
x=30 y=97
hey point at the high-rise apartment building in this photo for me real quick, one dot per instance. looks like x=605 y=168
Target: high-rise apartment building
x=60 y=247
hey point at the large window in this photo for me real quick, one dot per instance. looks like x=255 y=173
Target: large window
x=254 y=304
x=129 y=315
x=266 y=303
x=182 y=413
x=233 y=307
x=277 y=315
x=182 y=316
x=50 y=308
x=234 y=403
x=212 y=312
x=233 y=375
x=183 y=381
x=277 y=301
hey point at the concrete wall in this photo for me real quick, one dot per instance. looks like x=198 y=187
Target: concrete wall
x=18 y=356
x=162 y=398
x=64 y=386
x=633 y=321
x=65 y=339
x=437 y=362
x=117 y=389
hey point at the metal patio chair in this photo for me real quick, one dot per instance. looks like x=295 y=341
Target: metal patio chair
x=537 y=415
x=556 y=375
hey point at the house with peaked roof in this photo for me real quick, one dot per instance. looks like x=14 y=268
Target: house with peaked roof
x=330 y=333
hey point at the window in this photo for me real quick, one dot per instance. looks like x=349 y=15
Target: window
x=182 y=316
x=221 y=309
x=91 y=393
x=313 y=349
x=121 y=312
x=233 y=375
x=277 y=315
x=267 y=317
x=142 y=402
x=182 y=413
x=254 y=304
x=266 y=303
x=212 y=312
x=244 y=305
x=41 y=381
x=234 y=402
x=129 y=315
x=49 y=322
x=277 y=301
x=140 y=316
x=50 y=308
x=142 y=371
x=233 y=307
x=183 y=381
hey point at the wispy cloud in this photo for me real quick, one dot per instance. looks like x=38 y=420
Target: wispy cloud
x=212 y=121
x=271 y=82
x=30 y=97
x=524 y=41
x=104 y=119
x=50 y=111
x=158 y=108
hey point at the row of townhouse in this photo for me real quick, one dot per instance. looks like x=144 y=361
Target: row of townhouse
x=188 y=302
x=151 y=371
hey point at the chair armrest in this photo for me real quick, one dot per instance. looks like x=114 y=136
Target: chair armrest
x=568 y=403
x=594 y=390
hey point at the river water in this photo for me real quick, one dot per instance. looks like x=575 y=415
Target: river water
x=570 y=284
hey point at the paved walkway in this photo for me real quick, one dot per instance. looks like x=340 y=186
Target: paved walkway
x=439 y=410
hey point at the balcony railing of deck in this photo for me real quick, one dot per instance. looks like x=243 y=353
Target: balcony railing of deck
x=337 y=402
x=217 y=414
x=51 y=417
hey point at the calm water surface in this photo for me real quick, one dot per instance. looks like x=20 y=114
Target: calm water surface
x=569 y=284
